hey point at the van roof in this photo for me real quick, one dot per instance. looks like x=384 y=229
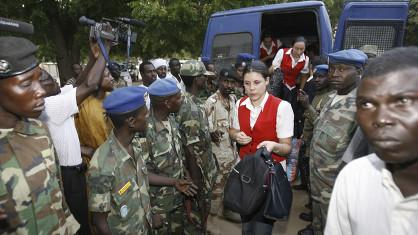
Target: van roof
x=267 y=8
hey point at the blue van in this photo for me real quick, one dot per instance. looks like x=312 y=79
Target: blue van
x=380 y=23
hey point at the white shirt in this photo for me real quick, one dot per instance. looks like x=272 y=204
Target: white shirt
x=284 y=117
x=180 y=84
x=367 y=201
x=277 y=61
x=58 y=116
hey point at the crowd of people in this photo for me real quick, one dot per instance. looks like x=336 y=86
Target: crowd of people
x=87 y=158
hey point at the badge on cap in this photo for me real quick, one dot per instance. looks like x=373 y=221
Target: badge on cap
x=124 y=211
x=4 y=67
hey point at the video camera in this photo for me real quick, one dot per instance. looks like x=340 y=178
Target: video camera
x=120 y=28
x=16 y=26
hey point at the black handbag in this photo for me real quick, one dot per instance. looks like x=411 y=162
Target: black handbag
x=279 y=195
x=245 y=189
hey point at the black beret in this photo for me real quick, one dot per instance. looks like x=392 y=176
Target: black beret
x=17 y=56
x=228 y=73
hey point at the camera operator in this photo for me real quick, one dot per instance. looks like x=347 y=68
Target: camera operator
x=60 y=106
x=31 y=201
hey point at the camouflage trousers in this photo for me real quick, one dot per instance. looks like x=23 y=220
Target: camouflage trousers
x=173 y=223
x=198 y=226
x=226 y=163
x=321 y=195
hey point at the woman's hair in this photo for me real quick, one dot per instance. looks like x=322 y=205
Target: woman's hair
x=258 y=67
x=299 y=39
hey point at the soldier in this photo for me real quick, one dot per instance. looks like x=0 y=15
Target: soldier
x=166 y=158
x=378 y=193
x=31 y=197
x=333 y=131
x=199 y=158
x=220 y=108
x=117 y=177
x=311 y=113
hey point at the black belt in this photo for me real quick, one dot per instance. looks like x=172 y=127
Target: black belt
x=80 y=168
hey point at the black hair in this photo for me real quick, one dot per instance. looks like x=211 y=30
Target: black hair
x=299 y=39
x=142 y=65
x=118 y=120
x=172 y=61
x=267 y=34
x=400 y=58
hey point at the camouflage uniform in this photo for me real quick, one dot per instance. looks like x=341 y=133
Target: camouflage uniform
x=118 y=184
x=166 y=159
x=333 y=131
x=30 y=190
x=220 y=117
x=195 y=127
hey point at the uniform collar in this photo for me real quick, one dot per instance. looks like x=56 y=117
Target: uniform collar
x=249 y=105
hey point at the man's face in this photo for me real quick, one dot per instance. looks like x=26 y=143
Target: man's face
x=387 y=112
x=342 y=77
x=174 y=103
x=76 y=69
x=200 y=82
x=267 y=42
x=162 y=71
x=321 y=80
x=175 y=67
x=107 y=82
x=226 y=86
x=50 y=86
x=240 y=71
x=141 y=119
x=149 y=75
x=23 y=95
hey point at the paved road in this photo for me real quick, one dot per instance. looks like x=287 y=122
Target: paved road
x=289 y=227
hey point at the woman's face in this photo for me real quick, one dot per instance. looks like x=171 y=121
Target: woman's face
x=298 y=49
x=255 y=85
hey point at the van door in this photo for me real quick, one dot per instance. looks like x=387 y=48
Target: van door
x=228 y=35
x=380 y=23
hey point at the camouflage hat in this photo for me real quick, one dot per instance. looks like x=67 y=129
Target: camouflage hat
x=193 y=68
x=370 y=50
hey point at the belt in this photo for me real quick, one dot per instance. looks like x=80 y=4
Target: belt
x=80 y=168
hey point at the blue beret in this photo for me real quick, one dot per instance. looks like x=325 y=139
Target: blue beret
x=322 y=68
x=350 y=56
x=244 y=57
x=163 y=87
x=125 y=99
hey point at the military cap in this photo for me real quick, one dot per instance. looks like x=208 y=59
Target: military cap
x=322 y=68
x=17 y=56
x=353 y=57
x=370 y=50
x=194 y=68
x=259 y=67
x=125 y=99
x=228 y=73
x=163 y=87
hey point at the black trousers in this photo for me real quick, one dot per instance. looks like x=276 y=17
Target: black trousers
x=75 y=192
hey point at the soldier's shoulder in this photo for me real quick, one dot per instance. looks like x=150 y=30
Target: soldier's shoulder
x=36 y=126
x=104 y=158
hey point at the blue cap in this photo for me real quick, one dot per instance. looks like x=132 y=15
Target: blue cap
x=163 y=87
x=244 y=57
x=125 y=99
x=353 y=57
x=322 y=68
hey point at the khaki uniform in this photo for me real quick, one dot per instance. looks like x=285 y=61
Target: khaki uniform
x=166 y=159
x=333 y=131
x=30 y=190
x=220 y=113
x=118 y=184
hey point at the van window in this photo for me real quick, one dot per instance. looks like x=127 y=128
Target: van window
x=285 y=26
x=226 y=47
x=383 y=35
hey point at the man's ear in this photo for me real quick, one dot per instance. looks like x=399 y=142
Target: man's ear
x=359 y=72
x=131 y=122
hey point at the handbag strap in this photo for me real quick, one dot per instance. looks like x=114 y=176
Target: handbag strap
x=266 y=156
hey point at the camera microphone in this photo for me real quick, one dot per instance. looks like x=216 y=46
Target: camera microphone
x=86 y=21
x=134 y=22
x=15 y=26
